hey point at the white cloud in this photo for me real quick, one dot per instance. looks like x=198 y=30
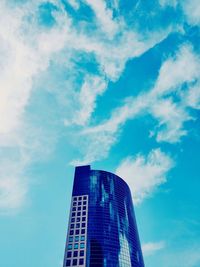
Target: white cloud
x=192 y=97
x=192 y=11
x=145 y=174
x=152 y=247
x=179 y=77
x=92 y=87
x=104 y=17
x=26 y=51
x=74 y=3
x=188 y=256
x=13 y=184
x=171 y=118
x=175 y=71
x=172 y=3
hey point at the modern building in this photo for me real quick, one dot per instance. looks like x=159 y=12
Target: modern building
x=102 y=229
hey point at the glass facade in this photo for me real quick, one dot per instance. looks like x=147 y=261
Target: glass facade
x=102 y=228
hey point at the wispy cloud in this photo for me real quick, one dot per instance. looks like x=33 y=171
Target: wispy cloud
x=145 y=173
x=28 y=49
x=104 y=16
x=192 y=11
x=152 y=247
x=172 y=3
x=175 y=92
x=92 y=87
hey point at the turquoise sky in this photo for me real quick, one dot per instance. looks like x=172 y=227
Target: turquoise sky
x=114 y=84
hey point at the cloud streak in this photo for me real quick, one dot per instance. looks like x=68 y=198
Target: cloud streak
x=145 y=174
x=28 y=49
x=152 y=247
x=175 y=92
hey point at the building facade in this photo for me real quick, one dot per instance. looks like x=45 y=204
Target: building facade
x=102 y=229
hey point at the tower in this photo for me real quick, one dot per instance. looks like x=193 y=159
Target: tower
x=102 y=229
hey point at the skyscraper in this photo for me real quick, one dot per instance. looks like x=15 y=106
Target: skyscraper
x=102 y=228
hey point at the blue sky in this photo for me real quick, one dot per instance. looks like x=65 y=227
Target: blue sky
x=114 y=84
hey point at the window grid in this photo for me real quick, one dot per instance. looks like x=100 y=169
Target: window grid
x=75 y=254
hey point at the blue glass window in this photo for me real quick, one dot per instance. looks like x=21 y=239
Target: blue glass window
x=76 y=238
x=82 y=238
x=77 y=232
x=68 y=263
x=81 y=261
x=83 y=224
x=69 y=254
x=83 y=231
x=74 y=262
x=71 y=232
x=76 y=246
x=81 y=253
x=69 y=246
x=75 y=254
x=82 y=245
x=70 y=239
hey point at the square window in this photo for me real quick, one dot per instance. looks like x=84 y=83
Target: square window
x=75 y=198
x=78 y=225
x=73 y=220
x=82 y=238
x=69 y=246
x=78 y=219
x=73 y=214
x=76 y=238
x=68 y=263
x=75 y=262
x=72 y=225
x=84 y=207
x=76 y=246
x=69 y=254
x=81 y=253
x=84 y=219
x=74 y=209
x=71 y=232
x=79 y=198
x=82 y=245
x=83 y=231
x=77 y=232
x=70 y=239
x=81 y=261
x=79 y=203
x=78 y=213
x=74 y=203
x=84 y=202
x=75 y=254
x=83 y=224
x=83 y=213
x=79 y=208
x=84 y=197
